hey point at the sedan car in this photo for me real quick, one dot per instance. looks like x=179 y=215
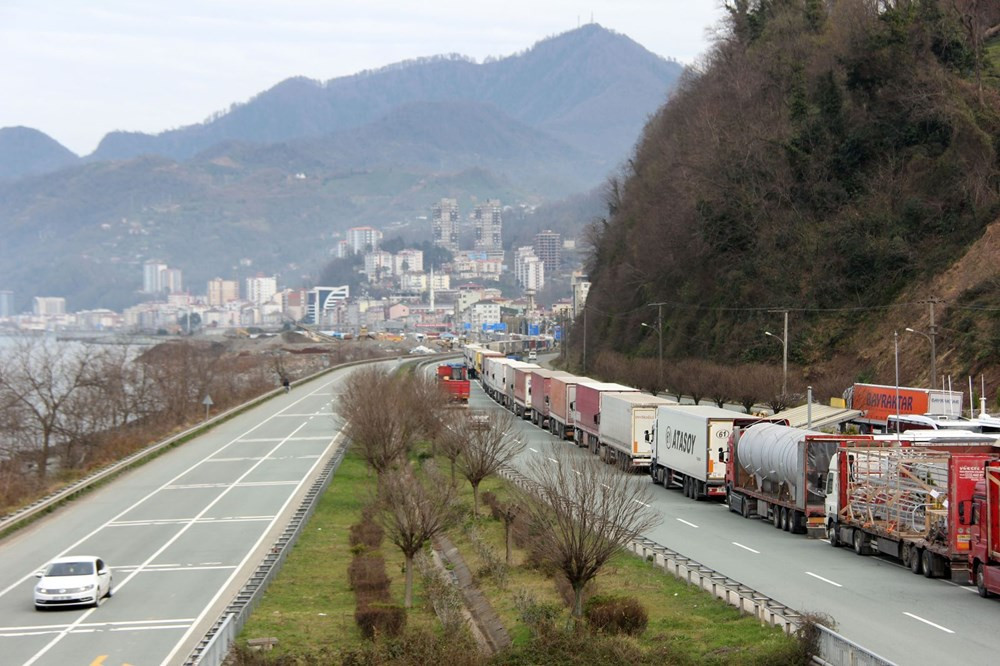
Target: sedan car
x=74 y=580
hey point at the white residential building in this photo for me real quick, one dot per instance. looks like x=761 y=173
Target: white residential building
x=363 y=239
x=152 y=276
x=407 y=260
x=378 y=265
x=529 y=270
x=49 y=305
x=261 y=289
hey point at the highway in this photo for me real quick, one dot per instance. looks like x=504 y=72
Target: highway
x=181 y=533
x=875 y=601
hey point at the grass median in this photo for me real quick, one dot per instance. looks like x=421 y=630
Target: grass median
x=309 y=607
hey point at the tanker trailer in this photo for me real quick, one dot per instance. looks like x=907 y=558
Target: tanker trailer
x=778 y=473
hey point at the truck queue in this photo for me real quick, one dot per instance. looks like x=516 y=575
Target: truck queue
x=928 y=498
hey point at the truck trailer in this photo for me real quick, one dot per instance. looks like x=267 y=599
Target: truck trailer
x=779 y=473
x=522 y=389
x=509 y=371
x=625 y=420
x=686 y=444
x=904 y=501
x=541 y=381
x=587 y=411
x=877 y=403
x=562 y=395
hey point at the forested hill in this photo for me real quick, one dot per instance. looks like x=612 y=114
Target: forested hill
x=836 y=159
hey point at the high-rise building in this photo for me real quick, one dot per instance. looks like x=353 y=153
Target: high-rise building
x=171 y=280
x=406 y=261
x=49 y=305
x=363 y=239
x=489 y=225
x=378 y=265
x=222 y=291
x=261 y=289
x=444 y=220
x=152 y=276
x=548 y=248
x=6 y=304
x=581 y=287
x=529 y=270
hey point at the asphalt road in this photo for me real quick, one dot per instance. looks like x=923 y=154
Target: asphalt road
x=181 y=534
x=875 y=601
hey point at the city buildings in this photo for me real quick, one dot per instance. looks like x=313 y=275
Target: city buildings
x=220 y=292
x=49 y=305
x=261 y=289
x=6 y=303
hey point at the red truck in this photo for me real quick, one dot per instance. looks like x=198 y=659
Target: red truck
x=454 y=378
x=905 y=501
x=984 y=514
x=877 y=403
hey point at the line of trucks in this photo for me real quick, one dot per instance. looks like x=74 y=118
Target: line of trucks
x=930 y=498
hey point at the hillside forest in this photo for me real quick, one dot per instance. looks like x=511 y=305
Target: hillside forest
x=836 y=160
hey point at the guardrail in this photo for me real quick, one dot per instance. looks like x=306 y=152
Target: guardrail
x=832 y=648
x=39 y=507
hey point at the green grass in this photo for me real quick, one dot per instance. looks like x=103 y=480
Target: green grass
x=309 y=606
x=310 y=609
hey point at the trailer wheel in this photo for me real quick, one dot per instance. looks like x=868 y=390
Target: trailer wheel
x=927 y=560
x=776 y=516
x=831 y=533
x=915 y=560
x=859 y=543
x=981 y=581
x=745 y=506
x=786 y=523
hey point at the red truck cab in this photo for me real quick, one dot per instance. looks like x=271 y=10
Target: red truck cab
x=984 y=551
x=454 y=378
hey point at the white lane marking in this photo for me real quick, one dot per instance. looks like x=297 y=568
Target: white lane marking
x=93 y=627
x=606 y=486
x=248 y=484
x=687 y=523
x=278 y=439
x=577 y=473
x=533 y=450
x=825 y=580
x=638 y=502
x=40 y=653
x=745 y=547
x=554 y=460
x=936 y=626
x=159 y=569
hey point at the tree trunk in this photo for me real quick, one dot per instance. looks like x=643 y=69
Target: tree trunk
x=408 y=597
x=475 y=501
x=577 y=600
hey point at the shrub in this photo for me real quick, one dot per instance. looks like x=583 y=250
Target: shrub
x=416 y=647
x=539 y=617
x=366 y=534
x=380 y=619
x=366 y=573
x=616 y=615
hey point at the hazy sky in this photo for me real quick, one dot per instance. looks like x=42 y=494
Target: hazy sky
x=77 y=70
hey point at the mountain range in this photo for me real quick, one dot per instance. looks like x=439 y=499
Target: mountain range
x=270 y=183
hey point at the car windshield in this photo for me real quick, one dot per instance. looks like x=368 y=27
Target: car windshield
x=70 y=569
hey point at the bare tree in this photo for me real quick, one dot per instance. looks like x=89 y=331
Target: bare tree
x=490 y=443
x=42 y=379
x=412 y=513
x=383 y=414
x=450 y=440
x=583 y=512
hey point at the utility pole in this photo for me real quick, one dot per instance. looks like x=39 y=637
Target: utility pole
x=932 y=332
x=784 y=353
x=584 y=338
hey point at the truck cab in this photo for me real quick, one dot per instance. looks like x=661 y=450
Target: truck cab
x=983 y=511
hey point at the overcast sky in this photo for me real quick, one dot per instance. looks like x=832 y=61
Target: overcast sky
x=77 y=70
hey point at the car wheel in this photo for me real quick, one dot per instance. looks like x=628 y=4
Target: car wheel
x=981 y=581
x=111 y=590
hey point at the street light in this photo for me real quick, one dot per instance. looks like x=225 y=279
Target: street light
x=930 y=338
x=659 y=335
x=784 y=361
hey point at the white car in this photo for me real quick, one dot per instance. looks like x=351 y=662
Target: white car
x=74 y=580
